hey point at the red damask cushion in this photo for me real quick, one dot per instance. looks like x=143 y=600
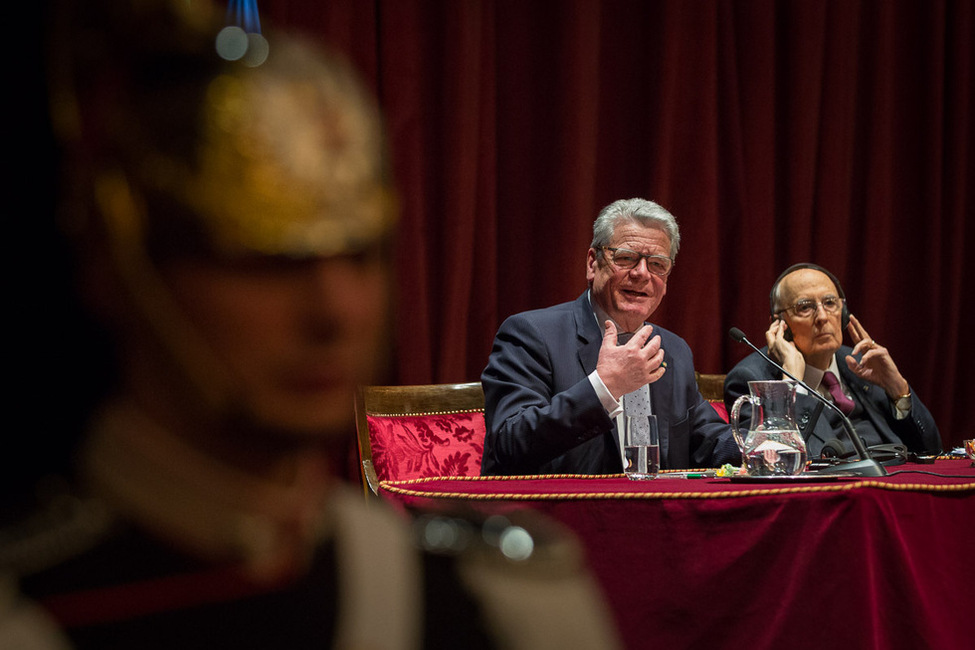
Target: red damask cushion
x=418 y=446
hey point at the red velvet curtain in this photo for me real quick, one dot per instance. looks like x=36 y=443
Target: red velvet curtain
x=833 y=131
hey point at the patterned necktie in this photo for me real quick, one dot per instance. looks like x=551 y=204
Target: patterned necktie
x=839 y=397
x=638 y=403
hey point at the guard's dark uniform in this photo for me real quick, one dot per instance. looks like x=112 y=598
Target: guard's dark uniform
x=444 y=585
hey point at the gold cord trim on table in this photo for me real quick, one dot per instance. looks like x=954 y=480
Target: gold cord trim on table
x=395 y=487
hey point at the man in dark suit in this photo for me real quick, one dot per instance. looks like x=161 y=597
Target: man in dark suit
x=556 y=377
x=809 y=315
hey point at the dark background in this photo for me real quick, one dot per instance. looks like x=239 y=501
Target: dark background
x=838 y=132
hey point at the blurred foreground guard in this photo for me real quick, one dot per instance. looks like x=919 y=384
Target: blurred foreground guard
x=230 y=221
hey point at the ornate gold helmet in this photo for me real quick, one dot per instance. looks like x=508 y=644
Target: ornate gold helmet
x=172 y=152
x=178 y=149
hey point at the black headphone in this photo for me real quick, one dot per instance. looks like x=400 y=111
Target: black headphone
x=886 y=454
x=845 y=317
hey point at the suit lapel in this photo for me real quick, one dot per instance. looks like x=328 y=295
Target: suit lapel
x=589 y=333
x=590 y=339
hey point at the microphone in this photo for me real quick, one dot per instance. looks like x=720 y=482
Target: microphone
x=866 y=466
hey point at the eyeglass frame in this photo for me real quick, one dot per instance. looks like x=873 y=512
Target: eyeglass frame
x=640 y=256
x=816 y=305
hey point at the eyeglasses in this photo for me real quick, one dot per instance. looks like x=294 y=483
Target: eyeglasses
x=624 y=258
x=806 y=308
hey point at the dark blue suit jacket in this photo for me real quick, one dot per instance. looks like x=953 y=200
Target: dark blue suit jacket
x=543 y=416
x=918 y=431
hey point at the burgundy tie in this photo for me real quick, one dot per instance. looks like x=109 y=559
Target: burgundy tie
x=839 y=397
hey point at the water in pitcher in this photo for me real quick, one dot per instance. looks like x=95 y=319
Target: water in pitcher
x=776 y=452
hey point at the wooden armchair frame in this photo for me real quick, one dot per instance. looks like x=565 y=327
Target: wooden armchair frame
x=409 y=400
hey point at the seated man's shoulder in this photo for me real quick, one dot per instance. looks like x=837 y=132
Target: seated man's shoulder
x=752 y=365
x=668 y=336
x=542 y=321
x=551 y=312
x=672 y=343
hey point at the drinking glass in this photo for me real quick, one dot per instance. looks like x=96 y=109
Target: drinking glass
x=641 y=447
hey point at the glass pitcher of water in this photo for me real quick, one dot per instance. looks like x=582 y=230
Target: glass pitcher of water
x=772 y=445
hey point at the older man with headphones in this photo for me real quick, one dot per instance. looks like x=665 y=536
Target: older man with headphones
x=809 y=315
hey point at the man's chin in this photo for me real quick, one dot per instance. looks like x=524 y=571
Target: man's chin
x=826 y=342
x=823 y=348
x=305 y=420
x=312 y=427
x=634 y=313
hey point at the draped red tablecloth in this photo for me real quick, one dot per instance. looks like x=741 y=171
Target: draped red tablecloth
x=710 y=563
